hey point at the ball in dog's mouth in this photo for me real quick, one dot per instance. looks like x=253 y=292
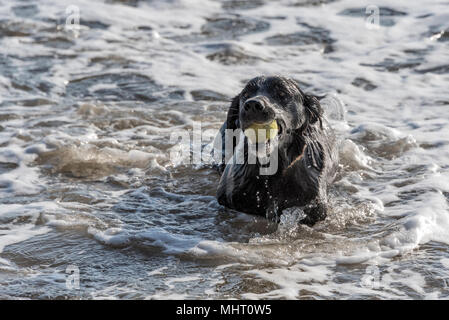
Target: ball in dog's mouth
x=262 y=132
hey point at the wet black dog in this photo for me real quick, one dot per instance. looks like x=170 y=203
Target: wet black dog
x=307 y=156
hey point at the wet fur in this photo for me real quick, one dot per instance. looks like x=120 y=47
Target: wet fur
x=307 y=162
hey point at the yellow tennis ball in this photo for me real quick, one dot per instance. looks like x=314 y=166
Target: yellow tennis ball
x=271 y=130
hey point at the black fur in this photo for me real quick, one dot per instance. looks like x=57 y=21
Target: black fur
x=307 y=152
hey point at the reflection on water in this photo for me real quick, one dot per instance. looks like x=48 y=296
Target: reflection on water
x=86 y=178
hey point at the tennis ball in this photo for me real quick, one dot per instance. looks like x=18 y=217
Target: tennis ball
x=271 y=130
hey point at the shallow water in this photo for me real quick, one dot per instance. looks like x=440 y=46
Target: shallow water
x=87 y=182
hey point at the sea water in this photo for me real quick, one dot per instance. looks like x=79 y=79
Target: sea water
x=88 y=188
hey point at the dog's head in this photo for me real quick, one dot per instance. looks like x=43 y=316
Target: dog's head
x=268 y=99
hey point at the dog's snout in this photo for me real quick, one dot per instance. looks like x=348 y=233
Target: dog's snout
x=254 y=106
x=256 y=110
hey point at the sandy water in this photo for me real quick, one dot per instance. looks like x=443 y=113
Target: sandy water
x=87 y=182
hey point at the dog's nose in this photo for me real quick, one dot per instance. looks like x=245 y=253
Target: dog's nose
x=253 y=105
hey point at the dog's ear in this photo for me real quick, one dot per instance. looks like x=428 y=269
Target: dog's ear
x=232 y=120
x=314 y=111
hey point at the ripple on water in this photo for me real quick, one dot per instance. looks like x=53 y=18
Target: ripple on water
x=313 y=35
x=114 y=87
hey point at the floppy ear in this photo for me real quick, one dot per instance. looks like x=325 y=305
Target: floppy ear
x=232 y=120
x=314 y=111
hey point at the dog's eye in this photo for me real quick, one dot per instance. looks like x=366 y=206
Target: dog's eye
x=283 y=95
x=244 y=96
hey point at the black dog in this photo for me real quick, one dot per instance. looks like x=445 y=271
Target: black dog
x=307 y=158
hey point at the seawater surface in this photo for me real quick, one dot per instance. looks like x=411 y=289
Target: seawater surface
x=87 y=182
